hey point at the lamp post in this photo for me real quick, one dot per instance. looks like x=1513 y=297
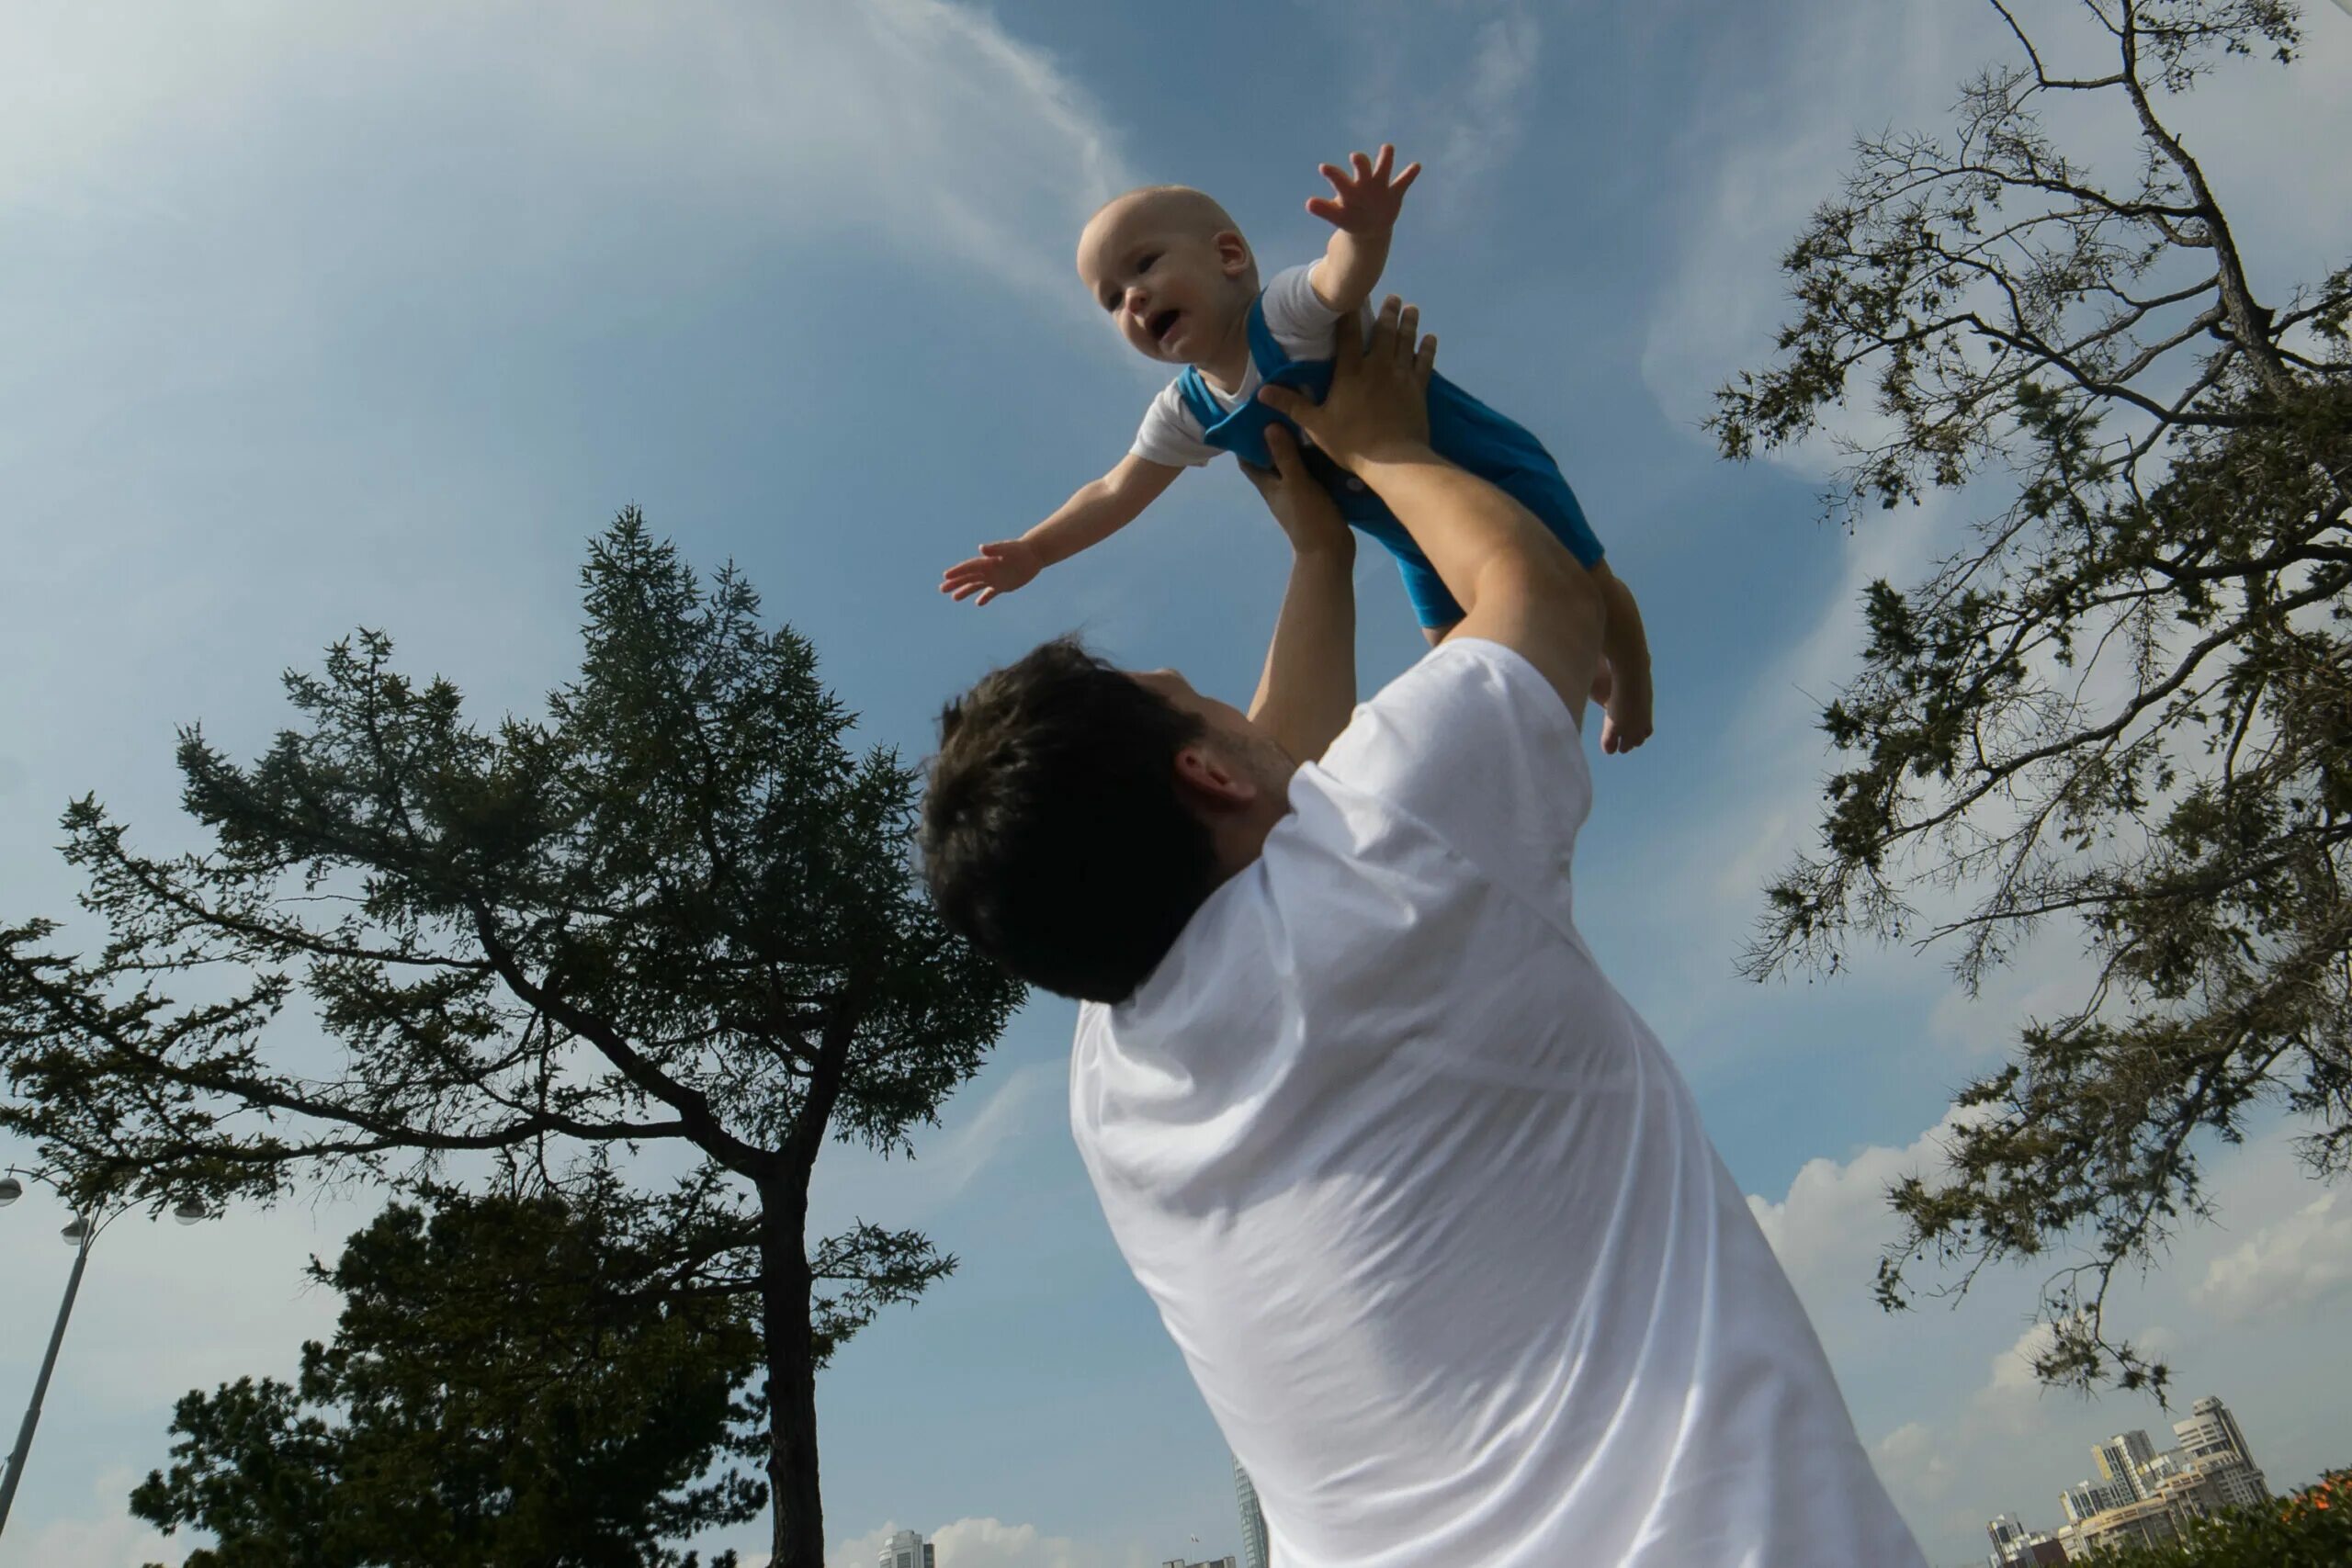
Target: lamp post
x=78 y=1234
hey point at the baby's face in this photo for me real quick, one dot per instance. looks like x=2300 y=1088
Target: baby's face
x=1174 y=285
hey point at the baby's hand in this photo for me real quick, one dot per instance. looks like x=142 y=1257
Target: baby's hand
x=1364 y=200
x=999 y=568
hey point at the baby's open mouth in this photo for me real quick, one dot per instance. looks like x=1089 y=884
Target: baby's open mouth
x=1163 y=323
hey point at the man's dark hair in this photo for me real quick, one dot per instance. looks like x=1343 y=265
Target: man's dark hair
x=1053 y=836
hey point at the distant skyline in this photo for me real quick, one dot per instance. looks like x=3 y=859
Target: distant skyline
x=2115 y=1467
x=321 y=317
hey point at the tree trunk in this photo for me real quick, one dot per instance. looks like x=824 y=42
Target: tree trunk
x=796 y=1504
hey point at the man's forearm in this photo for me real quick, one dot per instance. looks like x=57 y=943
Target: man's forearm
x=1308 y=690
x=1467 y=527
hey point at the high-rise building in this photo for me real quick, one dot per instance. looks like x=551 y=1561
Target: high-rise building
x=2144 y=1496
x=2212 y=1441
x=2014 y=1546
x=1257 y=1550
x=2211 y=1431
x=2088 y=1497
x=906 y=1550
x=2121 y=1457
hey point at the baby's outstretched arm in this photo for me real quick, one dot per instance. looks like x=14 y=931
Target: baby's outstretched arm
x=1086 y=519
x=1361 y=209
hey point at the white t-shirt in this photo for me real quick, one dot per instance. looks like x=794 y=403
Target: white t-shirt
x=1299 y=321
x=1427 y=1207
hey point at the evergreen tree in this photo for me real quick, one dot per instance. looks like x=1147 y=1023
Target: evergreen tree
x=677 y=912
x=508 y=1387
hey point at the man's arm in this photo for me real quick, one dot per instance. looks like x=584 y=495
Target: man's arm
x=1361 y=209
x=1517 y=585
x=1308 y=690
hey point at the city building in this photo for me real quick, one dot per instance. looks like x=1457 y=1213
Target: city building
x=906 y=1550
x=1226 y=1561
x=2006 y=1532
x=2210 y=1438
x=2014 y=1546
x=2142 y=1497
x=2174 y=1502
x=1257 y=1549
x=2121 y=1457
x=2088 y=1497
x=2211 y=1431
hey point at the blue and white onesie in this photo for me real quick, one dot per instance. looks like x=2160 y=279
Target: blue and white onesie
x=1290 y=340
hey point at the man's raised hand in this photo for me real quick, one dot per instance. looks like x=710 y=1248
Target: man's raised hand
x=1365 y=198
x=1305 y=509
x=1379 y=398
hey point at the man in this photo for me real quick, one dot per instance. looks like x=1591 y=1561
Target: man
x=1423 y=1203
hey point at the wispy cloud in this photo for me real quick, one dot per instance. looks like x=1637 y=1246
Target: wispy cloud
x=1453 y=87
x=1966 y=1431
x=1493 y=98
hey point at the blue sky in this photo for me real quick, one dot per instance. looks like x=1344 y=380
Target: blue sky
x=319 y=317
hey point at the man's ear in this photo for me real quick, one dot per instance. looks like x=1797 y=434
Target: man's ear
x=1209 y=782
x=1232 y=253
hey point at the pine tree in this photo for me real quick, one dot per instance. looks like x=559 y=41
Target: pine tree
x=677 y=912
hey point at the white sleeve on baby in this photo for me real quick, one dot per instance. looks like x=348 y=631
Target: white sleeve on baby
x=1171 y=434
x=1301 y=322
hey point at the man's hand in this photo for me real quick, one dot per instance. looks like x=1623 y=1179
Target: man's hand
x=1305 y=509
x=1364 y=198
x=1000 y=568
x=1379 y=400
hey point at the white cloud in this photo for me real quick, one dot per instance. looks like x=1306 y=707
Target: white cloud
x=851 y=1181
x=1963 y=1429
x=988 y=1543
x=106 y=1537
x=1494 y=98
x=1912 y=1458
x=1833 y=1218
x=2012 y=1396
x=922 y=117
x=2303 y=1260
x=1463 y=113
x=859 y=1552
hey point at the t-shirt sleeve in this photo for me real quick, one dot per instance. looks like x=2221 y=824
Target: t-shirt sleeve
x=1301 y=322
x=1475 y=746
x=1169 y=433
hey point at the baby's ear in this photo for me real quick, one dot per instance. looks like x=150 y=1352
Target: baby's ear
x=1232 y=252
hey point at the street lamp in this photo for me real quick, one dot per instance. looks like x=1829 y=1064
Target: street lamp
x=78 y=1235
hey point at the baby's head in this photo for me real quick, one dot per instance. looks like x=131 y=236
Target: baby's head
x=1170 y=266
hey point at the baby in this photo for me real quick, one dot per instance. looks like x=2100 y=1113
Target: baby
x=1181 y=284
